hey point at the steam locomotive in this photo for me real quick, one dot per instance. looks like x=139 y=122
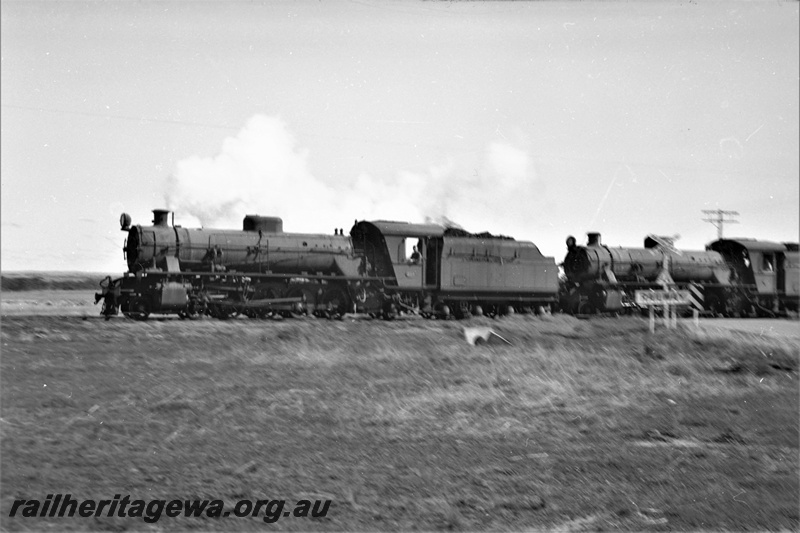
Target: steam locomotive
x=732 y=277
x=382 y=268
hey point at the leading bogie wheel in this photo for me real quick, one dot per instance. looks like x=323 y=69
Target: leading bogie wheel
x=138 y=310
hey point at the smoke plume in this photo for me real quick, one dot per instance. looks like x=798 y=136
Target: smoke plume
x=262 y=171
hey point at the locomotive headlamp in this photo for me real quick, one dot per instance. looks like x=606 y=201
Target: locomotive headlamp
x=125 y=221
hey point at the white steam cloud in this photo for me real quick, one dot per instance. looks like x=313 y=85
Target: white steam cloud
x=262 y=171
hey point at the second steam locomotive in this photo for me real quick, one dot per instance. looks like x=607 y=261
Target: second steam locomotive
x=732 y=277
x=382 y=268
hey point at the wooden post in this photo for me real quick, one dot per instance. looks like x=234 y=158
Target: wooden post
x=696 y=315
x=652 y=319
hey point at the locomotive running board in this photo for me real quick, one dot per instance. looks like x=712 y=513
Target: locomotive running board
x=269 y=301
x=258 y=303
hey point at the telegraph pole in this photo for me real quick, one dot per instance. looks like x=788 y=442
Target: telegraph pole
x=720 y=219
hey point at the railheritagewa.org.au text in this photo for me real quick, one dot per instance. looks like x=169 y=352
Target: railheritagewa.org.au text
x=65 y=506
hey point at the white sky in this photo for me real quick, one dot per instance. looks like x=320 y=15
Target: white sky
x=531 y=119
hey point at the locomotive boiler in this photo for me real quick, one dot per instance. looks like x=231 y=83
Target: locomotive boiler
x=261 y=246
x=262 y=271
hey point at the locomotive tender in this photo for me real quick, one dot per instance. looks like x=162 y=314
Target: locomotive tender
x=261 y=271
x=732 y=277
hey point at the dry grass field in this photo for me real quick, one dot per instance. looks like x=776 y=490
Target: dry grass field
x=50 y=281
x=578 y=425
x=49 y=303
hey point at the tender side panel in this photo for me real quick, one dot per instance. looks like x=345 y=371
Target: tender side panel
x=498 y=266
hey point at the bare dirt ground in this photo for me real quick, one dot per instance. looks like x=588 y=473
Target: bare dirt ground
x=578 y=425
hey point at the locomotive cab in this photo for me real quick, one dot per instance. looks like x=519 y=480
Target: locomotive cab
x=767 y=270
x=385 y=246
x=756 y=263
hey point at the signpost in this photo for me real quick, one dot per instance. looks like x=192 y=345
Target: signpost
x=667 y=299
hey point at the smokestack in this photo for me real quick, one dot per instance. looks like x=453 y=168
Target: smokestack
x=594 y=239
x=160 y=217
x=571 y=242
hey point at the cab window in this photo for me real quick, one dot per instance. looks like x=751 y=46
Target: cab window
x=767 y=263
x=401 y=251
